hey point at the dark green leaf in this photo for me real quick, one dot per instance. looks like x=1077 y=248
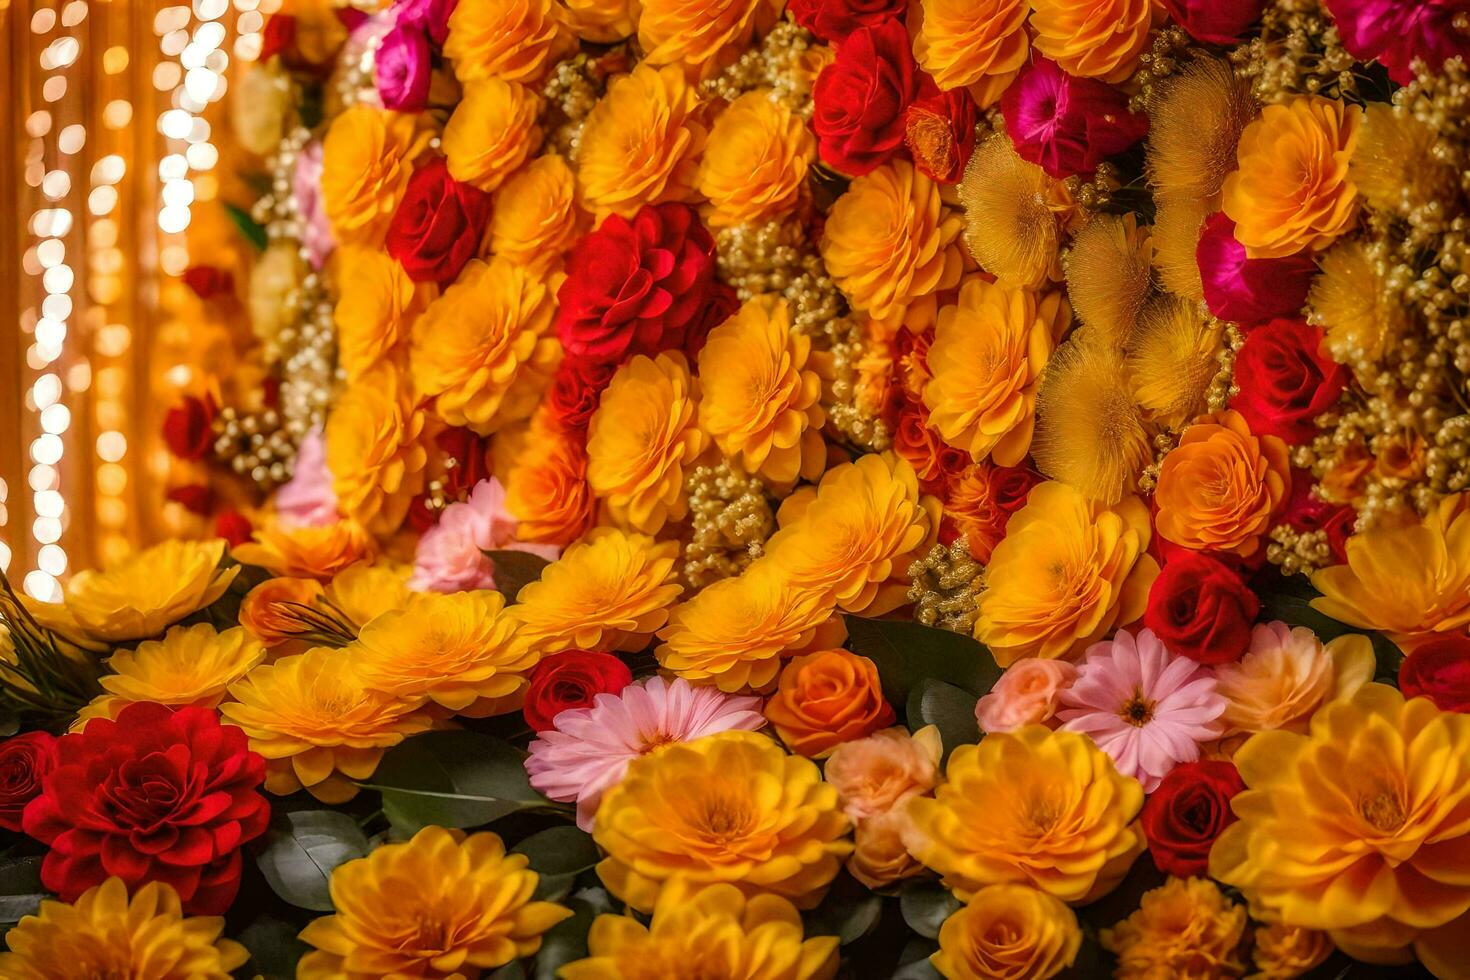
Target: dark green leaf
x=925 y=906
x=511 y=971
x=253 y=230
x=907 y=652
x=914 y=961
x=1090 y=962
x=558 y=855
x=947 y=708
x=274 y=948
x=849 y=912
x=302 y=847
x=21 y=891
x=1123 y=901
x=565 y=942
x=514 y=570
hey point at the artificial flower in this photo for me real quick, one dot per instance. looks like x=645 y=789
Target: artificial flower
x=25 y=760
x=979 y=46
x=1395 y=32
x=881 y=771
x=367 y=159
x=149 y=590
x=1246 y=290
x=700 y=36
x=1029 y=692
x=536 y=214
x=515 y=40
x=451 y=555
x=570 y=679
x=1093 y=38
x=1187 y=925
x=1201 y=608
x=270 y=612
x=834 y=20
x=980 y=499
x=439 y=224
x=1214 y=21
x=1438 y=670
x=1068 y=125
x=1186 y=812
x=490 y=134
x=317 y=552
x=1287 y=674
x=191 y=665
x=1285 y=381
x=755 y=163
x=826 y=698
x=1008 y=932
x=402 y=69
x=547 y=488
x=859 y=98
x=374 y=451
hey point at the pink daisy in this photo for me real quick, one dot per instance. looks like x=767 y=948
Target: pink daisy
x=590 y=748
x=1144 y=707
x=451 y=554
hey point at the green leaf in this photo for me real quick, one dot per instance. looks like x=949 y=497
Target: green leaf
x=253 y=230
x=907 y=652
x=453 y=779
x=565 y=942
x=514 y=570
x=274 y=947
x=849 y=912
x=914 y=961
x=301 y=850
x=947 y=708
x=21 y=891
x=558 y=855
x=925 y=906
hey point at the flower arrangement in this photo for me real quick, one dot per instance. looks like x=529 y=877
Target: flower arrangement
x=808 y=489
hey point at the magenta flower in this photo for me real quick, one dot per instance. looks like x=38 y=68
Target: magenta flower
x=1245 y=290
x=1067 y=125
x=451 y=555
x=1394 y=32
x=589 y=750
x=1214 y=21
x=307 y=499
x=1147 y=709
x=403 y=69
x=429 y=16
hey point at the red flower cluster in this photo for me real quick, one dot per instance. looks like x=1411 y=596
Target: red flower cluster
x=576 y=389
x=1190 y=808
x=1285 y=380
x=860 y=98
x=1214 y=21
x=1245 y=290
x=571 y=679
x=834 y=20
x=439 y=224
x=978 y=502
x=1200 y=608
x=24 y=762
x=940 y=130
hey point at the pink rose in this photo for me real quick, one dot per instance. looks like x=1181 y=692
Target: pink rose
x=1028 y=693
x=451 y=555
x=307 y=499
x=871 y=775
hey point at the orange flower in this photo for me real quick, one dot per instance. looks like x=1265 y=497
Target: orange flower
x=879 y=857
x=374 y=452
x=376 y=302
x=826 y=698
x=705 y=35
x=517 y=40
x=366 y=160
x=1219 y=490
x=1292 y=190
x=980 y=45
x=755 y=165
x=547 y=488
x=876 y=774
x=265 y=613
x=491 y=132
x=306 y=552
x=1093 y=38
x=603 y=21
x=536 y=216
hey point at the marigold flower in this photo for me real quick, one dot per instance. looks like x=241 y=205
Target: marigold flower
x=1187 y=925
x=1031 y=807
x=979 y=46
x=265 y=611
x=306 y=552
x=107 y=934
x=1068 y=571
x=890 y=244
x=641 y=143
x=876 y=774
x=859 y=532
x=827 y=698
x=755 y=163
x=376 y=303
x=149 y=590
x=536 y=215
x=735 y=632
x=1291 y=190
x=190 y=665
x=367 y=158
x=491 y=132
x=609 y=591
x=1287 y=674
x=749 y=815
x=484 y=349
x=317 y=724
x=641 y=440
x=711 y=931
x=438 y=905
x=1221 y=487
x=374 y=451
x=547 y=487
x=1093 y=38
x=702 y=36
x=515 y=40
x=1010 y=932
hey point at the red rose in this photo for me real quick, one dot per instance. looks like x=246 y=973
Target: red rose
x=576 y=389
x=1067 y=125
x=234 y=527
x=1245 y=290
x=193 y=497
x=24 y=762
x=187 y=428
x=933 y=460
x=834 y=20
x=939 y=129
x=1440 y=671
x=208 y=281
x=157 y=795
x=1214 y=21
x=571 y=679
x=1285 y=381
x=471 y=465
x=861 y=96
x=636 y=287
x=1201 y=609
x=1306 y=512
x=1182 y=818
x=439 y=224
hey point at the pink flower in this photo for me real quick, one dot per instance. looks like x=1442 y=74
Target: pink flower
x=1028 y=693
x=1245 y=290
x=451 y=554
x=1067 y=125
x=1144 y=707
x=590 y=748
x=307 y=499
x=1397 y=31
x=306 y=183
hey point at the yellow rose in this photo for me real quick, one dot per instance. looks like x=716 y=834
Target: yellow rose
x=1008 y=932
x=755 y=164
x=148 y=591
x=491 y=132
x=1093 y=38
x=1186 y=927
x=536 y=217
x=976 y=45
x=376 y=303
x=703 y=35
x=516 y=40
x=367 y=159
x=374 y=451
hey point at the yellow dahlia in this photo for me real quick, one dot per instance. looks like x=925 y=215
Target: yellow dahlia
x=105 y=934
x=704 y=36
x=374 y=451
x=641 y=142
x=438 y=906
x=611 y=590
x=1184 y=928
x=976 y=45
x=536 y=216
x=737 y=632
x=731 y=807
x=1093 y=38
x=376 y=304
x=317 y=552
x=758 y=397
x=713 y=931
x=857 y=535
x=491 y=132
x=889 y=243
x=517 y=40
x=149 y=590
x=317 y=724
x=755 y=163
x=190 y=665
x=642 y=439
x=546 y=488
x=1033 y=807
x=1068 y=571
x=367 y=158
x=1008 y=932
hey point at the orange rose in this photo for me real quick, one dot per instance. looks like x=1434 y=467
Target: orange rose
x=306 y=552
x=879 y=857
x=1219 y=490
x=873 y=775
x=1093 y=38
x=827 y=698
x=264 y=613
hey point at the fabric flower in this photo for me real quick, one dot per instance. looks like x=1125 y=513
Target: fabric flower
x=1186 y=812
x=450 y=556
x=980 y=499
x=25 y=761
x=158 y=795
x=834 y=20
x=755 y=163
x=860 y=97
x=367 y=157
x=1011 y=932
x=1068 y=125
x=1395 y=32
x=149 y=590
x=307 y=499
x=547 y=488
x=536 y=216
x=880 y=772
x=1246 y=290
x=827 y=698
x=701 y=36
x=402 y=67
x=571 y=679
x=374 y=452
x=1285 y=381
x=1029 y=692
x=979 y=46
x=1147 y=710
x=515 y=40
x=1093 y=38
x=491 y=133
x=1187 y=924
x=1287 y=674
x=438 y=225
x=588 y=750
x=1214 y=21
x=1438 y=670
x=1200 y=608
x=191 y=665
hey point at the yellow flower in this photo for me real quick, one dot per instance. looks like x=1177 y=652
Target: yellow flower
x=260 y=98
x=890 y=244
x=269 y=611
x=364 y=591
x=374 y=452
x=1014 y=213
x=737 y=632
x=190 y=665
x=703 y=35
x=1291 y=190
x=1034 y=807
x=1093 y=38
x=611 y=590
x=1412 y=582
x=485 y=348
x=517 y=40
x=987 y=355
x=731 y=807
x=755 y=164
x=641 y=142
x=536 y=215
x=1287 y=674
x=491 y=132
x=603 y=21
x=547 y=487
x=317 y=724
x=1286 y=952
x=641 y=440
x=376 y=304
x=149 y=590
x=858 y=534
x=367 y=158
x=1358 y=827
x=976 y=45
x=104 y=934
x=1351 y=300
x=454 y=650
x=1185 y=927
x=1068 y=571
x=1008 y=932
x=306 y=552
x=714 y=931
x=437 y=906
x=758 y=397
